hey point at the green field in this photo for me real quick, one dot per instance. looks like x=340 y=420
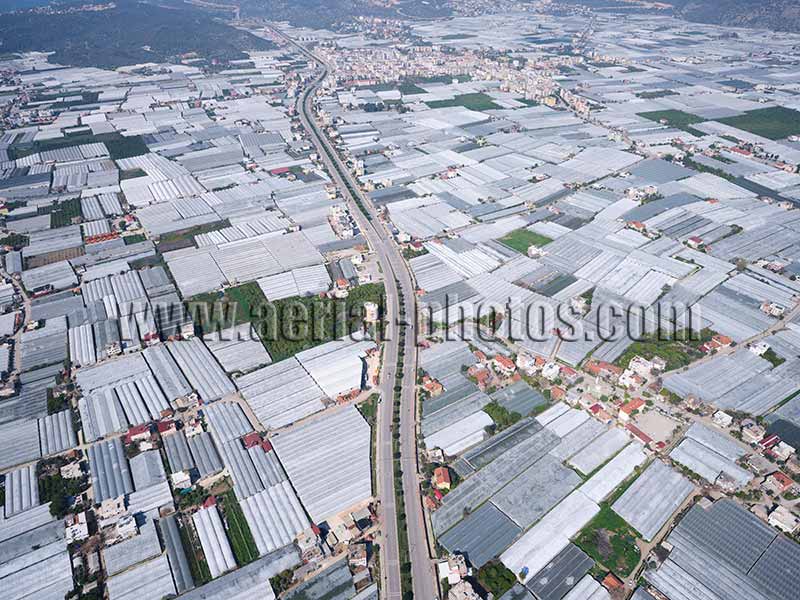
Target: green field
x=131 y=174
x=17 y=240
x=610 y=541
x=457 y=36
x=476 y=101
x=61 y=214
x=702 y=168
x=60 y=491
x=184 y=238
x=194 y=553
x=522 y=239
x=494 y=577
x=408 y=88
x=500 y=415
x=773 y=357
x=774 y=123
x=286 y=326
x=656 y=94
x=242 y=542
x=134 y=239
x=675 y=118
x=380 y=87
x=441 y=78
x=677 y=350
x=118 y=145
x=369 y=408
x=405 y=86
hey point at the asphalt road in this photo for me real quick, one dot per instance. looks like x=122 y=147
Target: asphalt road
x=397 y=281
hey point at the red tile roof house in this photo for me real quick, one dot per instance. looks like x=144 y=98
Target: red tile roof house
x=252 y=439
x=603 y=369
x=639 y=434
x=778 y=483
x=483 y=377
x=433 y=387
x=166 y=426
x=637 y=225
x=611 y=582
x=629 y=408
x=137 y=433
x=504 y=364
x=717 y=342
x=569 y=375
x=441 y=478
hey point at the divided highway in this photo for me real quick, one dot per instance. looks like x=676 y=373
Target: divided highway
x=399 y=290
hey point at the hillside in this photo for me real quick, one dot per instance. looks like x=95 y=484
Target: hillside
x=127 y=34
x=778 y=15
x=337 y=13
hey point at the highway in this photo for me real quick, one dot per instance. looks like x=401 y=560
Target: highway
x=399 y=289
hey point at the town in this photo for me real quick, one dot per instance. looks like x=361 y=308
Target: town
x=287 y=325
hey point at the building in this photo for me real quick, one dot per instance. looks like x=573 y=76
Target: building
x=782 y=451
x=784 y=519
x=569 y=375
x=612 y=583
x=639 y=434
x=773 y=309
x=604 y=370
x=433 y=387
x=777 y=483
x=462 y=591
x=362 y=518
x=125 y=526
x=181 y=480
x=441 y=478
x=694 y=242
x=310 y=544
x=166 y=427
x=717 y=343
x=530 y=364
x=71 y=471
x=646 y=368
x=138 y=433
x=551 y=371
x=76 y=526
x=630 y=379
x=628 y=409
x=454 y=569
x=504 y=365
x=722 y=419
x=371 y=312
x=357 y=556
x=753 y=433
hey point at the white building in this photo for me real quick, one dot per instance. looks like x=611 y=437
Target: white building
x=722 y=419
x=551 y=371
x=77 y=527
x=784 y=519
